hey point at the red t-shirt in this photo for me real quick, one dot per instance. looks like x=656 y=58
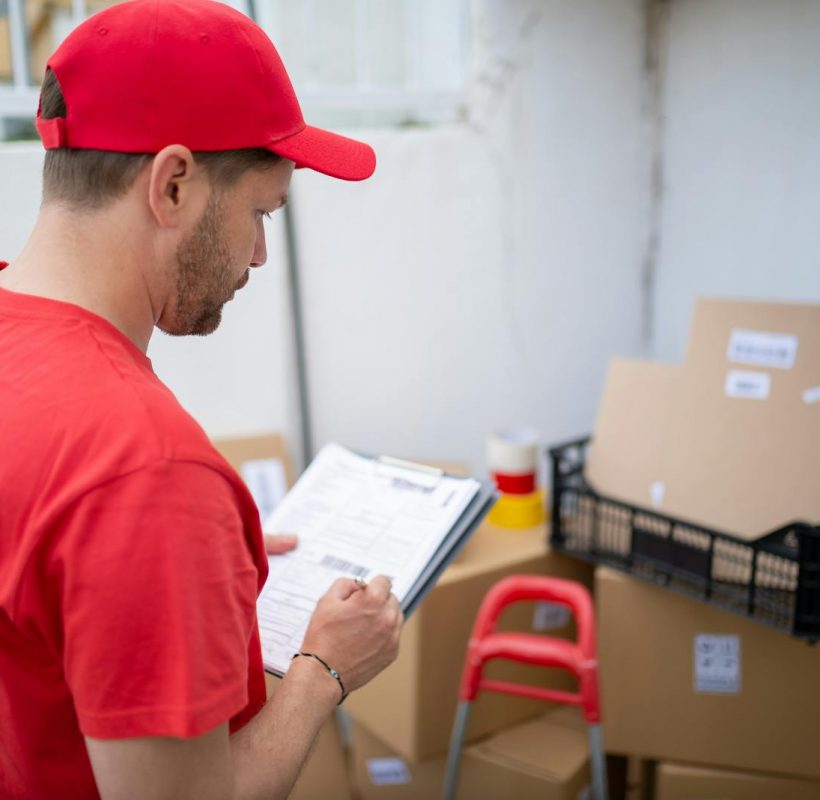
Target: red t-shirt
x=131 y=555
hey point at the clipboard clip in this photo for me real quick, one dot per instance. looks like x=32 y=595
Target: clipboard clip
x=397 y=468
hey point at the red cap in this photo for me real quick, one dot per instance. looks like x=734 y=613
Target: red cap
x=144 y=74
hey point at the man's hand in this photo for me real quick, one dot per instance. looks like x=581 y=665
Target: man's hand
x=356 y=629
x=278 y=543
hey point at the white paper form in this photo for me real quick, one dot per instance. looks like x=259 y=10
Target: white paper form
x=355 y=517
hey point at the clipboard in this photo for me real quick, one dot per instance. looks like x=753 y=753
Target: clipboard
x=395 y=477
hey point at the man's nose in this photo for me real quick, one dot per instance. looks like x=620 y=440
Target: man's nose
x=260 y=250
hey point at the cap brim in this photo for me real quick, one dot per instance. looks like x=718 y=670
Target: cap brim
x=328 y=153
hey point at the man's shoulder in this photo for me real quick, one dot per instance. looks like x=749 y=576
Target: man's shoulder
x=79 y=396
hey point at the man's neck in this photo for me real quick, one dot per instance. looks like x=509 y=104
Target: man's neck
x=93 y=260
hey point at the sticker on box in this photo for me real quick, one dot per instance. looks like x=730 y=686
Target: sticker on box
x=811 y=396
x=387 y=771
x=760 y=349
x=748 y=385
x=717 y=663
x=550 y=616
x=657 y=491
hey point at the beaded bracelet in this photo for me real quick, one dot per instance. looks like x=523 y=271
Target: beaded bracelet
x=330 y=669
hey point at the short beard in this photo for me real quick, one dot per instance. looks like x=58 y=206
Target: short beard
x=203 y=276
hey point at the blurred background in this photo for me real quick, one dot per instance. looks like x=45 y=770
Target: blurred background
x=557 y=181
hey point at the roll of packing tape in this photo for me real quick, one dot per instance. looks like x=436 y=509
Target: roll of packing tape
x=513 y=451
x=515 y=484
x=518 y=511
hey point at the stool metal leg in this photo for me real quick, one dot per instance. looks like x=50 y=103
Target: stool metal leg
x=597 y=762
x=454 y=755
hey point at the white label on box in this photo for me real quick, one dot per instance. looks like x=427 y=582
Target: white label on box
x=762 y=349
x=812 y=395
x=387 y=771
x=657 y=491
x=549 y=616
x=265 y=479
x=748 y=385
x=717 y=663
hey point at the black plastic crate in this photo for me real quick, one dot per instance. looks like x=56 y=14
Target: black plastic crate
x=774 y=579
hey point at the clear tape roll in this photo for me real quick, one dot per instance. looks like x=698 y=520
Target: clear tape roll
x=513 y=451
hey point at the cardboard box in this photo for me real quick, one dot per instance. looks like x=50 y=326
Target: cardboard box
x=411 y=705
x=379 y=773
x=683 y=680
x=687 y=782
x=325 y=772
x=546 y=758
x=742 y=453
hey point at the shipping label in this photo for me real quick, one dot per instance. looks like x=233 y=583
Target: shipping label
x=811 y=396
x=760 y=349
x=550 y=616
x=748 y=385
x=717 y=663
x=387 y=771
x=657 y=491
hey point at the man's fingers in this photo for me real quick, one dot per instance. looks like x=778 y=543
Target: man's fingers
x=342 y=588
x=380 y=587
x=278 y=543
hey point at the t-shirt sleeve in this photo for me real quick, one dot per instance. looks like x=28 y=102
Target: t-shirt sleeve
x=158 y=591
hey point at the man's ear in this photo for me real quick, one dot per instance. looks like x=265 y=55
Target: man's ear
x=174 y=186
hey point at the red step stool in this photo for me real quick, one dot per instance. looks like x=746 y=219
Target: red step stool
x=578 y=657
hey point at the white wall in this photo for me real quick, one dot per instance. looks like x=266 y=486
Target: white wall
x=482 y=278
x=741 y=208
x=488 y=271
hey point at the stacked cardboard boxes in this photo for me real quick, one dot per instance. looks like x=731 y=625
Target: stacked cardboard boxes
x=685 y=681
x=545 y=758
x=730 y=440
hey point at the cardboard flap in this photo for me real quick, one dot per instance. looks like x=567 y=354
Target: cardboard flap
x=633 y=420
x=743 y=445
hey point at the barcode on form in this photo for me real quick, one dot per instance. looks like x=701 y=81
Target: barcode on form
x=340 y=565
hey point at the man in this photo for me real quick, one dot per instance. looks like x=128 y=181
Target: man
x=130 y=553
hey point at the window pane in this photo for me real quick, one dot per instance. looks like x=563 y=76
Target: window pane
x=387 y=43
x=332 y=43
